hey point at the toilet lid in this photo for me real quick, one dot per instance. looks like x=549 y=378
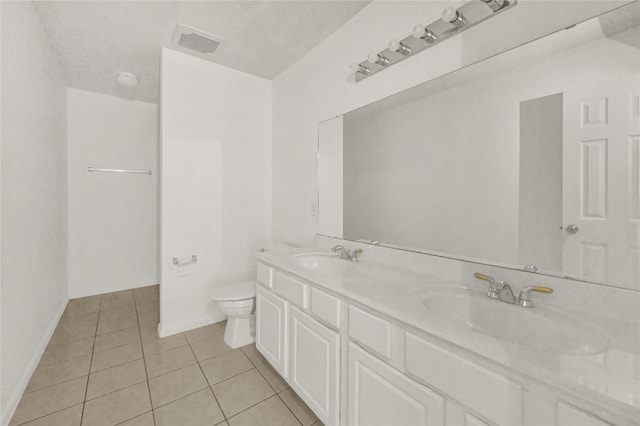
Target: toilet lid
x=235 y=291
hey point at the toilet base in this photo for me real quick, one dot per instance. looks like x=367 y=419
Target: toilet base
x=237 y=333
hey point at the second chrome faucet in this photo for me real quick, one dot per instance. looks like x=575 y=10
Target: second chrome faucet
x=502 y=291
x=346 y=254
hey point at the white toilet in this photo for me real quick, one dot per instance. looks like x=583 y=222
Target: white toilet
x=237 y=301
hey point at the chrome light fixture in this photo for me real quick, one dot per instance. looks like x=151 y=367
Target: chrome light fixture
x=453 y=21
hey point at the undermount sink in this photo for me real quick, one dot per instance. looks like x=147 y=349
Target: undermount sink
x=322 y=262
x=538 y=328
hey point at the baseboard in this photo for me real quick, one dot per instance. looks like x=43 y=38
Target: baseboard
x=14 y=400
x=165 y=330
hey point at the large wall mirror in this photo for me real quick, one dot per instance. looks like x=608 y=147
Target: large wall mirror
x=528 y=160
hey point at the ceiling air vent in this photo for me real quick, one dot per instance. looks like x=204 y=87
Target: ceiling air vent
x=195 y=42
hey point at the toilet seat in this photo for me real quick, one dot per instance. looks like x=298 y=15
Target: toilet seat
x=234 y=292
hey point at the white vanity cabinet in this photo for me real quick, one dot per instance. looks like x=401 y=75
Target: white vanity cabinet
x=355 y=366
x=381 y=395
x=272 y=329
x=315 y=366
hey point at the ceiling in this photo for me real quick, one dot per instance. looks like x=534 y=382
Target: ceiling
x=97 y=39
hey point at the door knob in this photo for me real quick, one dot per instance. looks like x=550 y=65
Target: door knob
x=573 y=229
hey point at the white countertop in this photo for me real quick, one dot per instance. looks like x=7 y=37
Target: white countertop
x=610 y=377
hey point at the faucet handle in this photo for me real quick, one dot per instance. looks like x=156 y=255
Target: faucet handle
x=483 y=277
x=524 y=299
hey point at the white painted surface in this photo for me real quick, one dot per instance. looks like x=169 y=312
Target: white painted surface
x=216 y=139
x=601 y=181
x=98 y=39
x=490 y=394
x=291 y=289
x=330 y=177
x=113 y=217
x=272 y=329
x=320 y=86
x=315 y=366
x=380 y=395
x=326 y=307
x=34 y=288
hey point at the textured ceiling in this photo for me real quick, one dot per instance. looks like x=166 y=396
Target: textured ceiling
x=97 y=39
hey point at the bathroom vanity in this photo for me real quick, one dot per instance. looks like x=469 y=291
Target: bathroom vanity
x=373 y=343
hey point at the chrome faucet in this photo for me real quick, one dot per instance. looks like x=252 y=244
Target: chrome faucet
x=347 y=254
x=502 y=291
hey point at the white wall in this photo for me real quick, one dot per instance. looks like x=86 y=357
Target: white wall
x=216 y=144
x=34 y=288
x=113 y=235
x=320 y=86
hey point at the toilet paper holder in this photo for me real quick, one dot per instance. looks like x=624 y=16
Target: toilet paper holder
x=193 y=259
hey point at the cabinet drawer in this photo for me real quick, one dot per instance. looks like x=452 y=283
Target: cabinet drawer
x=292 y=290
x=371 y=331
x=265 y=275
x=489 y=394
x=326 y=307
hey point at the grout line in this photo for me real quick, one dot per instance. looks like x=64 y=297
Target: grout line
x=205 y=378
x=146 y=374
x=86 y=389
x=136 y=416
x=289 y=408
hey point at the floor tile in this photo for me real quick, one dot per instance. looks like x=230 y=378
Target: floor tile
x=83 y=305
x=115 y=356
x=52 y=374
x=118 y=406
x=152 y=344
x=297 y=406
x=208 y=348
x=199 y=408
x=224 y=366
x=50 y=400
x=176 y=384
x=241 y=392
x=167 y=361
x=117 y=338
x=68 y=417
x=151 y=292
x=147 y=306
x=144 y=420
x=203 y=333
x=254 y=356
x=117 y=300
x=267 y=413
x=150 y=318
x=117 y=319
x=116 y=378
x=67 y=351
x=273 y=377
x=224 y=423
x=72 y=329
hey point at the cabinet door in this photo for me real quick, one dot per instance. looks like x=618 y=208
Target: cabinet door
x=272 y=329
x=380 y=395
x=315 y=355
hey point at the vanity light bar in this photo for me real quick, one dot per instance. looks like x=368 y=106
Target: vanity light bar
x=453 y=21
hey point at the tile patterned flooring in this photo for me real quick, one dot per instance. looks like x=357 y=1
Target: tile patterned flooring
x=106 y=365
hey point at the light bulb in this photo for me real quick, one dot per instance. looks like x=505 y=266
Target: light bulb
x=396 y=46
x=419 y=31
x=357 y=68
x=374 y=58
x=450 y=14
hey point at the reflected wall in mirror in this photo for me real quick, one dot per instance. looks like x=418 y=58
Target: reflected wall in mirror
x=531 y=157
